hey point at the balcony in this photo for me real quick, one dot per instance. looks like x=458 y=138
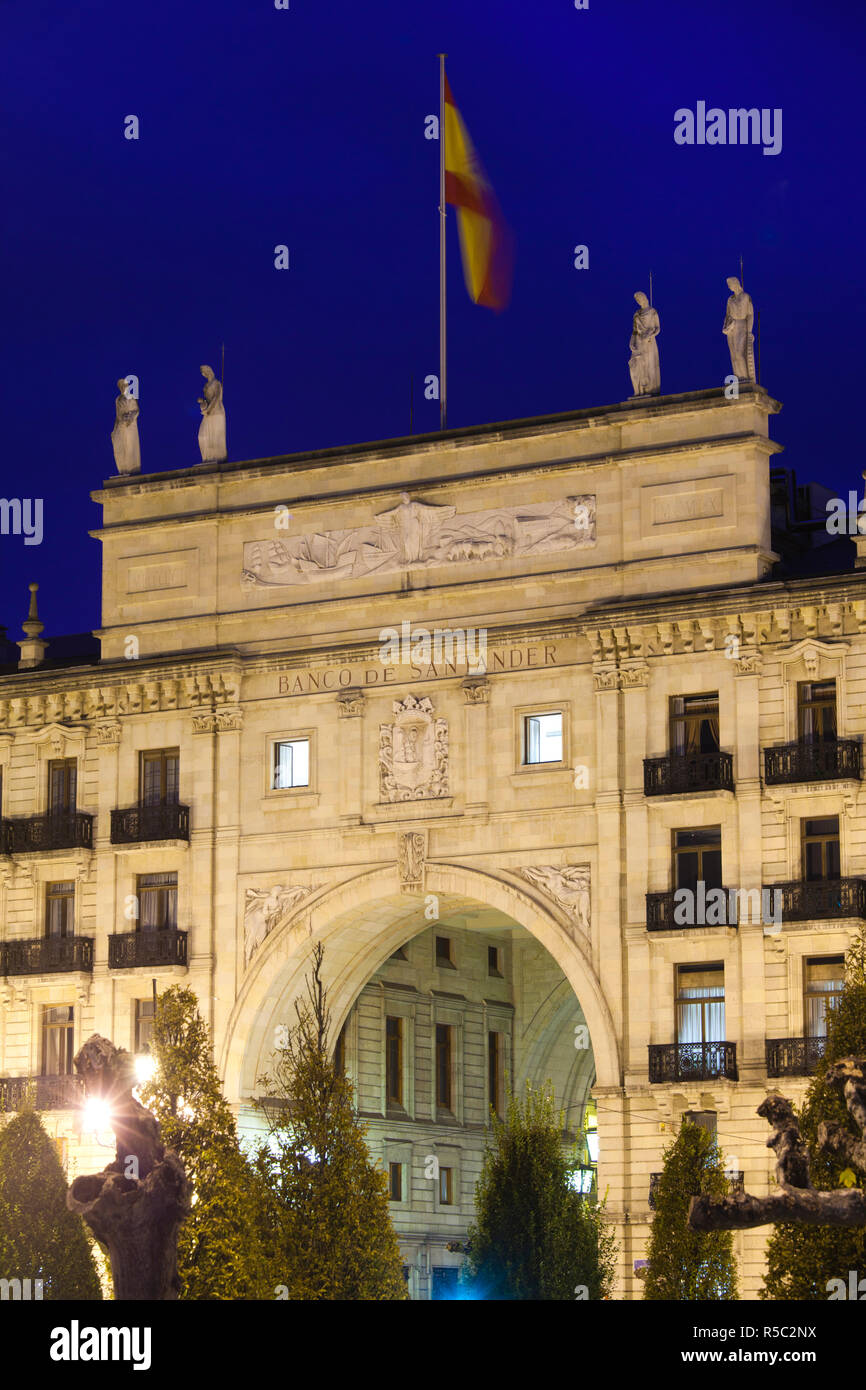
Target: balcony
x=794 y=1056
x=44 y=1092
x=678 y=774
x=812 y=760
x=692 y=1061
x=54 y=830
x=158 y=947
x=139 y=824
x=660 y=909
x=46 y=955
x=804 y=901
x=737 y=1183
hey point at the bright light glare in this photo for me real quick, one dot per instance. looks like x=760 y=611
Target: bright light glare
x=145 y=1067
x=97 y=1115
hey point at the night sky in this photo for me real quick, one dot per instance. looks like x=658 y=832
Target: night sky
x=306 y=127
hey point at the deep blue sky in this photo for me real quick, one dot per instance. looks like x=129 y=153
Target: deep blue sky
x=305 y=127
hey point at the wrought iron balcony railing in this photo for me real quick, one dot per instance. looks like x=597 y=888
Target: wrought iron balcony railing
x=810 y=901
x=736 y=1180
x=44 y=1092
x=54 y=830
x=138 y=824
x=160 y=947
x=794 y=1056
x=812 y=760
x=660 y=909
x=692 y=1061
x=677 y=773
x=46 y=955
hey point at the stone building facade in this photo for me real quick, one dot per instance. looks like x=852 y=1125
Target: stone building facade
x=507 y=687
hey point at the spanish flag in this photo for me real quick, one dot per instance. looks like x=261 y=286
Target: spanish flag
x=486 y=243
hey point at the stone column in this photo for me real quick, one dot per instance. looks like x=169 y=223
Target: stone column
x=476 y=693
x=350 y=710
x=750 y=1029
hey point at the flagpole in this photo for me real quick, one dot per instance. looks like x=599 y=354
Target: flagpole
x=443 y=368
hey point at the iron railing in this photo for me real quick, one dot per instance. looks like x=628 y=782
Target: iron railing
x=660 y=909
x=812 y=760
x=692 y=1061
x=794 y=1056
x=54 y=830
x=165 y=946
x=44 y=1092
x=677 y=773
x=138 y=824
x=811 y=900
x=46 y=955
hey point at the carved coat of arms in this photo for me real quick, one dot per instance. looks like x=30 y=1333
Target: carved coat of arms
x=413 y=753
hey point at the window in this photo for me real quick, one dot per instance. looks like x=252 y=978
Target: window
x=694 y=723
x=698 y=856
x=446 y=1284
x=57 y=1038
x=700 y=1003
x=399 y=954
x=159 y=777
x=443 y=1065
x=816 y=710
x=291 y=764
x=493 y=966
x=446 y=1187
x=821 y=859
x=144 y=1011
x=707 y=1119
x=494 y=1071
x=157 y=902
x=60 y=908
x=395 y=1182
x=340 y=1052
x=394 y=1060
x=542 y=738
x=62 y=778
x=443 y=951
x=823 y=984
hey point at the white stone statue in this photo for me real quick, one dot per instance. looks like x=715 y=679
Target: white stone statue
x=124 y=436
x=264 y=909
x=212 y=430
x=739 y=317
x=643 y=364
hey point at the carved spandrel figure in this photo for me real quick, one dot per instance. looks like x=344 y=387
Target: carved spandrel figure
x=643 y=364
x=411 y=519
x=124 y=436
x=739 y=318
x=212 y=430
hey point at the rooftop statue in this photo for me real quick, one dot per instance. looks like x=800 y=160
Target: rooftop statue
x=124 y=436
x=739 y=317
x=643 y=364
x=212 y=430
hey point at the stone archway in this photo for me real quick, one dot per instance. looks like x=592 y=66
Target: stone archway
x=361 y=922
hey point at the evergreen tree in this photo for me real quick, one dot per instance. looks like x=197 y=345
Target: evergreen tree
x=801 y=1260
x=330 y=1215
x=684 y=1264
x=221 y=1249
x=534 y=1236
x=39 y=1237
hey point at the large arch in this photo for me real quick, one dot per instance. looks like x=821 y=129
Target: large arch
x=361 y=922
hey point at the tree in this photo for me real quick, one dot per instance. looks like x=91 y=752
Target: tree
x=534 y=1236
x=39 y=1237
x=685 y=1264
x=801 y=1260
x=221 y=1248
x=333 y=1233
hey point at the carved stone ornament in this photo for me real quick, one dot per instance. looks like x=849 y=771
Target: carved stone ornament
x=265 y=909
x=350 y=704
x=108 y=735
x=411 y=858
x=413 y=753
x=476 y=692
x=416 y=534
x=569 y=889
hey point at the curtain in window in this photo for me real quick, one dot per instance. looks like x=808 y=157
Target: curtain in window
x=701 y=1013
